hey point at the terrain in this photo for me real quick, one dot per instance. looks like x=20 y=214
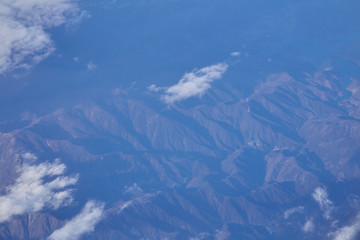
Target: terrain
x=227 y=165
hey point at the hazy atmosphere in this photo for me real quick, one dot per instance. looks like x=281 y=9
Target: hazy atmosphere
x=179 y=119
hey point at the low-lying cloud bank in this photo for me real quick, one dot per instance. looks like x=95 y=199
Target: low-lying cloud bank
x=31 y=193
x=24 y=41
x=81 y=224
x=192 y=84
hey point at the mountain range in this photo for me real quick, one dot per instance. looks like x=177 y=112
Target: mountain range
x=278 y=162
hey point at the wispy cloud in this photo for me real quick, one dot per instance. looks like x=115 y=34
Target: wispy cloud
x=222 y=235
x=293 y=210
x=154 y=88
x=321 y=197
x=308 y=226
x=24 y=41
x=133 y=189
x=125 y=205
x=31 y=193
x=141 y=198
x=201 y=236
x=235 y=54
x=192 y=84
x=350 y=232
x=29 y=157
x=91 y=66
x=74 y=21
x=81 y=224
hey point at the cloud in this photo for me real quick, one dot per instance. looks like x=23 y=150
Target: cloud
x=29 y=157
x=235 y=54
x=321 y=197
x=308 y=226
x=201 y=236
x=154 y=88
x=293 y=210
x=133 y=190
x=142 y=198
x=192 y=84
x=222 y=235
x=78 y=19
x=125 y=205
x=91 y=66
x=349 y=232
x=24 y=41
x=82 y=223
x=31 y=193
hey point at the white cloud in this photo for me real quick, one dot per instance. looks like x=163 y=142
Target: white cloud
x=30 y=157
x=222 y=235
x=293 y=210
x=308 y=226
x=321 y=197
x=142 y=198
x=81 y=224
x=78 y=19
x=133 y=189
x=154 y=88
x=24 y=41
x=31 y=193
x=349 y=232
x=235 y=54
x=126 y=205
x=192 y=84
x=91 y=66
x=201 y=236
